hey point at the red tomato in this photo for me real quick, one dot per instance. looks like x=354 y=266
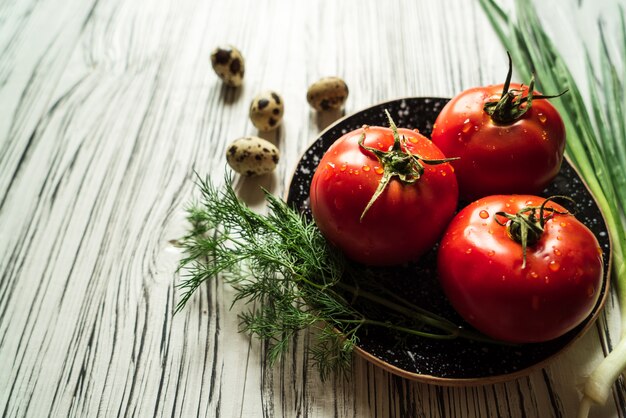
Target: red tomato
x=404 y=221
x=518 y=150
x=481 y=268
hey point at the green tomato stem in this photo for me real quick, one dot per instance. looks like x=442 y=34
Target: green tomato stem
x=525 y=227
x=512 y=104
x=397 y=162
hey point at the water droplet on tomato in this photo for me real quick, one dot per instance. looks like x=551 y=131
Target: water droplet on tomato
x=542 y=117
x=590 y=290
x=413 y=140
x=466 y=127
x=559 y=237
x=443 y=173
x=491 y=253
x=356 y=172
x=468 y=251
x=557 y=251
x=563 y=224
x=343 y=167
x=534 y=274
x=366 y=168
x=483 y=214
x=379 y=170
x=554 y=265
x=546 y=279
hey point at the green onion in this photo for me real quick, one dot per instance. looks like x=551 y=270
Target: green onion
x=596 y=143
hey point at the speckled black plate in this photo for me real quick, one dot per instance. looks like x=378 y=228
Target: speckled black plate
x=460 y=361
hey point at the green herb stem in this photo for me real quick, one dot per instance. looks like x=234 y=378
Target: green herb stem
x=399 y=328
x=423 y=316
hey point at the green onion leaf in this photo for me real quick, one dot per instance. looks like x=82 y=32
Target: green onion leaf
x=596 y=142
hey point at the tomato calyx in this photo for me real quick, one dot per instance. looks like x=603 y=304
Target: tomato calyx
x=397 y=162
x=527 y=225
x=512 y=104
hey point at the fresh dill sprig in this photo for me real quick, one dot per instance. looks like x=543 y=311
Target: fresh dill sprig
x=282 y=266
x=278 y=260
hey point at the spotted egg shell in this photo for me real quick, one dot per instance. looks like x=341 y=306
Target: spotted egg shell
x=252 y=156
x=327 y=93
x=266 y=110
x=228 y=64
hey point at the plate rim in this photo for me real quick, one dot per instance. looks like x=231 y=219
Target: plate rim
x=471 y=381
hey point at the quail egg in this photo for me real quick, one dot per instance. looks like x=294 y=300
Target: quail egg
x=327 y=93
x=252 y=156
x=228 y=63
x=266 y=110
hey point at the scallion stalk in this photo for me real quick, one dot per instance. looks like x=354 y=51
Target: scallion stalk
x=596 y=144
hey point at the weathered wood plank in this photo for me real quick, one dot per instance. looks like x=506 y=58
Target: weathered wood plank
x=109 y=108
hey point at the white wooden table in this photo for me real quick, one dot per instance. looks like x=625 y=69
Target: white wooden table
x=107 y=108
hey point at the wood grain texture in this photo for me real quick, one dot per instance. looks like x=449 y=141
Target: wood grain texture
x=107 y=110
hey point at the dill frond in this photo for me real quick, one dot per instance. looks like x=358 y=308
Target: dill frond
x=282 y=268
